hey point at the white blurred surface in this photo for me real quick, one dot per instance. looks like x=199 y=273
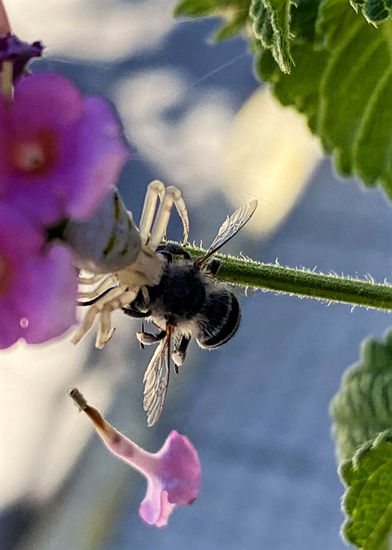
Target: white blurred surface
x=92 y=30
x=187 y=151
x=270 y=154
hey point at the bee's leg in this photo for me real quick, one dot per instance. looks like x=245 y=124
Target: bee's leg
x=174 y=249
x=213 y=266
x=179 y=354
x=90 y=280
x=154 y=190
x=95 y=310
x=106 y=283
x=171 y=196
x=147 y=338
x=132 y=312
x=105 y=330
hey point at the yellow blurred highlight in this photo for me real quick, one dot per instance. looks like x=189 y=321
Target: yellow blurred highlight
x=270 y=155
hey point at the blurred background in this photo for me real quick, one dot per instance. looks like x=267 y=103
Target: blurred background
x=256 y=409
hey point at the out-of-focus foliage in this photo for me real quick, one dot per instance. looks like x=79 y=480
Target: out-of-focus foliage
x=362 y=415
x=367 y=501
x=363 y=406
x=234 y=12
x=374 y=10
x=340 y=77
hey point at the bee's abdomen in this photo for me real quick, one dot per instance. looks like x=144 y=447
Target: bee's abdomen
x=219 y=319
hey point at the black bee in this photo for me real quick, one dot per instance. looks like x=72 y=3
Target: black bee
x=187 y=301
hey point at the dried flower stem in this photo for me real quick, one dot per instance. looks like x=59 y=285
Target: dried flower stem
x=117 y=443
x=301 y=282
x=100 y=424
x=6 y=81
x=4 y=23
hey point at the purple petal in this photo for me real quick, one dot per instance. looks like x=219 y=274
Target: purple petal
x=19 y=239
x=59 y=154
x=155 y=508
x=19 y=52
x=101 y=155
x=11 y=330
x=45 y=100
x=179 y=470
x=49 y=301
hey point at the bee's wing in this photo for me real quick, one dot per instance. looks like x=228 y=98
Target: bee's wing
x=156 y=380
x=230 y=227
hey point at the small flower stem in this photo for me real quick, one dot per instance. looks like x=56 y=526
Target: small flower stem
x=6 y=84
x=116 y=442
x=4 y=23
x=300 y=282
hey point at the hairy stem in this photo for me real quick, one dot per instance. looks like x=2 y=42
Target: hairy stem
x=300 y=282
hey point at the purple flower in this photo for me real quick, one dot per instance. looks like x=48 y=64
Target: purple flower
x=18 y=53
x=37 y=283
x=173 y=473
x=60 y=154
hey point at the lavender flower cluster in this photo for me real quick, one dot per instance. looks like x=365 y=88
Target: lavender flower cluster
x=60 y=156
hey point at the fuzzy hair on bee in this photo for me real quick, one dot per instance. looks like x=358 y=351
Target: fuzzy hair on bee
x=119 y=257
x=187 y=302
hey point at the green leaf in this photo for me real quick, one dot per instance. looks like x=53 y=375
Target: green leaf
x=368 y=499
x=362 y=408
x=271 y=25
x=374 y=10
x=301 y=88
x=195 y=8
x=231 y=28
x=234 y=12
x=303 y=20
x=341 y=81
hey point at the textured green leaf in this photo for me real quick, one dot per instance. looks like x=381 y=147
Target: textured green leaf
x=368 y=499
x=340 y=72
x=301 y=88
x=271 y=25
x=374 y=10
x=362 y=408
x=342 y=83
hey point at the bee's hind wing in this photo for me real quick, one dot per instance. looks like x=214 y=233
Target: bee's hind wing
x=156 y=381
x=230 y=227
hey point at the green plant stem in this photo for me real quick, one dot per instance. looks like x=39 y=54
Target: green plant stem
x=300 y=282
x=385 y=545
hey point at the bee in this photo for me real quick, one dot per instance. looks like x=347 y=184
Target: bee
x=120 y=257
x=186 y=302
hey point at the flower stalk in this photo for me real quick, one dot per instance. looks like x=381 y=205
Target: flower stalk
x=4 y=23
x=301 y=282
x=172 y=474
